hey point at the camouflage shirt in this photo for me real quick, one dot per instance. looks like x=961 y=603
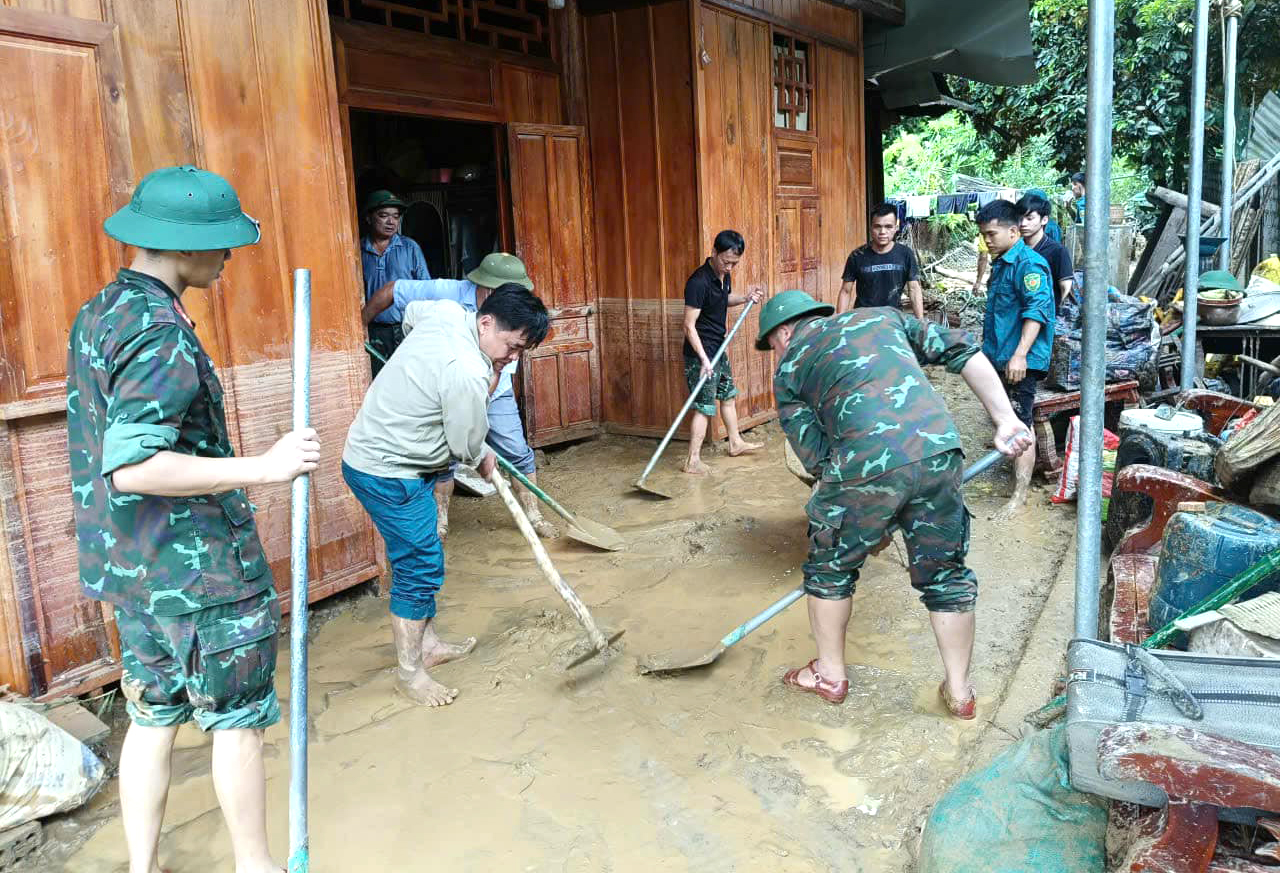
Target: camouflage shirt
x=139 y=382
x=853 y=400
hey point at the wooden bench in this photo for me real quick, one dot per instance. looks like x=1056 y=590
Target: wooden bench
x=1201 y=773
x=1050 y=403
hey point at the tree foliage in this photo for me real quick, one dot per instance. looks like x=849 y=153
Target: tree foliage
x=1151 y=105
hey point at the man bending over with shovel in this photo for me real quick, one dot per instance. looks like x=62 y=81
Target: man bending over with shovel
x=862 y=417
x=426 y=409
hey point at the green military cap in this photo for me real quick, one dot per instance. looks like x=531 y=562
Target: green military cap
x=1219 y=279
x=183 y=209
x=499 y=268
x=783 y=307
x=379 y=199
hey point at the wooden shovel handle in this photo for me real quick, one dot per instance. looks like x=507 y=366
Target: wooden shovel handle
x=544 y=562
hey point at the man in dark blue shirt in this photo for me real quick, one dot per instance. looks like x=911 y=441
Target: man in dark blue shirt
x=1017 y=329
x=387 y=256
x=1035 y=233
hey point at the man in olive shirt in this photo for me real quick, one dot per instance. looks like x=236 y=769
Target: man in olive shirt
x=426 y=409
x=165 y=531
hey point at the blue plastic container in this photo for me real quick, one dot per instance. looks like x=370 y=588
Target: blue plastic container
x=1203 y=551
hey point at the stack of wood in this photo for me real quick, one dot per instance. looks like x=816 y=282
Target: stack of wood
x=1160 y=271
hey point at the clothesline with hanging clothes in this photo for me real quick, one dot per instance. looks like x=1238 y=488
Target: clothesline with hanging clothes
x=916 y=206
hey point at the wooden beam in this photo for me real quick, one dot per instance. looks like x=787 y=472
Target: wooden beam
x=890 y=11
x=789 y=26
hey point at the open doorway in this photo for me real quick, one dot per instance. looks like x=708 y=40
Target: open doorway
x=449 y=174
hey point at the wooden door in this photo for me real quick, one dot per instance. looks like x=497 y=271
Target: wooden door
x=64 y=165
x=798 y=257
x=551 y=212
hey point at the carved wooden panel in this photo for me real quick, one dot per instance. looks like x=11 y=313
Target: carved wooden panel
x=512 y=25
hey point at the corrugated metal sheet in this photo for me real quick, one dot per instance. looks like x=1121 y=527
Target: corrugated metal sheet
x=1264 y=129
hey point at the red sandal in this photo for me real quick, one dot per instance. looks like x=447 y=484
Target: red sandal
x=965 y=709
x=829 y=690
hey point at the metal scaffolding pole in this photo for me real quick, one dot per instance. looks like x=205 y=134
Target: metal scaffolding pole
x=1195 y=188
x=1102 y=14
x=1231 y=29
x=299 y=843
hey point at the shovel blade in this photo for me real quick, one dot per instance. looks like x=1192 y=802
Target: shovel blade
x=592 y=651
x=674 y=662
x=657 y=491
x=593 y=533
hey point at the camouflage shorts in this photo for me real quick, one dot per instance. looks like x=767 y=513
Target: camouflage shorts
x=847 y=520
x=719 y=387
x=217 y=665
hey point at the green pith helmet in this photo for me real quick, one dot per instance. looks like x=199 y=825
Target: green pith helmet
x=183 y=209
x=379 y=199
x=783 y=307
x=500 y=268
x=1215 y=279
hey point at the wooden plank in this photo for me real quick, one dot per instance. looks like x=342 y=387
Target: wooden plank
x=88 y=9
x=78 y=721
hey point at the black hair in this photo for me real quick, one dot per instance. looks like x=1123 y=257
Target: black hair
x=884 y=209
x=730 y=241
x=1035 y=203
x=517 y=308
x=1077 y=177
x=1002 y=212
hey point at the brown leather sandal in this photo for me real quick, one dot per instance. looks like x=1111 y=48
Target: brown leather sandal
x=964 y=709
x=830 y=690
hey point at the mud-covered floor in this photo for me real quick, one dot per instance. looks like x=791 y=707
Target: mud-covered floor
x=600 y=769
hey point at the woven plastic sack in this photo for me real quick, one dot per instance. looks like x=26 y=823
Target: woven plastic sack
x=1070 y=475
x=43 y=769
x=1249 y=448
x=1018 y=814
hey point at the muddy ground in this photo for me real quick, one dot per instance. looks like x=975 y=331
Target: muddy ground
x=600 y=769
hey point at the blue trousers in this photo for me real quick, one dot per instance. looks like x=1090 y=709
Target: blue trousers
x=404 y=512
x=506 y=435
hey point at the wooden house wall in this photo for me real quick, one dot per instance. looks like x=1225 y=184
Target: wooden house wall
x=244 y=88
x=640 y=122
x=680 y=108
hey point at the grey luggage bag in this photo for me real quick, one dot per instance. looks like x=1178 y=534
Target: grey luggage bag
x=1235 y=698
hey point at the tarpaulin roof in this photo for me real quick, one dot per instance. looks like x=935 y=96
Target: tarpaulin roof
x=989 y=42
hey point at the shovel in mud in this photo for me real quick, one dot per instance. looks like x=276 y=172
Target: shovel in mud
x=584 y=530
x=674 y=662
x=597 y=641
x=642 y=484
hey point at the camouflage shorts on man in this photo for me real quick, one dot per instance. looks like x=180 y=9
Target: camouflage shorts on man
x=719 y=387
x=217 y=665
x=847 y=520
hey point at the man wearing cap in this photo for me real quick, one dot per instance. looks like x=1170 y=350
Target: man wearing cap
x=506 y=430
x=165 y=531
x=427 y=409
x=862 y=418
x=387 y=256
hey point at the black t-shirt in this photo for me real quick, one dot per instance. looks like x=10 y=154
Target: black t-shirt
x=881 y=277
x=704 y=291
x=1059 y=259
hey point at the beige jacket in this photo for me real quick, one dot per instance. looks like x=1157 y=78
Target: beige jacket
x=428 y=405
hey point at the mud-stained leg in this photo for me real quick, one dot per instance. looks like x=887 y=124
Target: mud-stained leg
x=412 y=679
x=443 y=494
x=529 y=501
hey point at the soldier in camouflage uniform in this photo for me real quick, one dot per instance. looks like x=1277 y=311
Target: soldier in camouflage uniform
x=862 y=417
x=166 y=534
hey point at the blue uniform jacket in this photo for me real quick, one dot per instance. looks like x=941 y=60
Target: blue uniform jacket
x=1020 y=288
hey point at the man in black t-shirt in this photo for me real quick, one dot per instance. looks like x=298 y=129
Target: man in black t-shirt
x=875 y=274
x=1036 y=212
x=707 y=298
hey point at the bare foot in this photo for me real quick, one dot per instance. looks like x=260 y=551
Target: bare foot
x=742 y=447
x=696 y=468
x=423 y=690
x=437 y=652
x=544 y=528
x=1010 y=509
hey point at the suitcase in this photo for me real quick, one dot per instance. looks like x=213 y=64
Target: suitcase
x=1235 y=698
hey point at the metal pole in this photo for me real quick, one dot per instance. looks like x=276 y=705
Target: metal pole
x=1231 y=27
x=1195 y=187
x=299 y=849
x=1102 y=14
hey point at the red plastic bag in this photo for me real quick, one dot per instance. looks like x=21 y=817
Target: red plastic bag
x=1071 y=467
